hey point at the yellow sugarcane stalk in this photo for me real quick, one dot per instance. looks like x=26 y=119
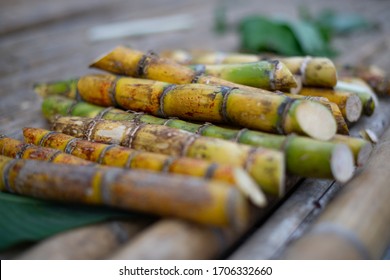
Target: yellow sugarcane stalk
x=313 y=71
x=271 y=113
x=349 y=103
x=267 y=167
x=117 y=156
x=184 y=197
x=17 y=149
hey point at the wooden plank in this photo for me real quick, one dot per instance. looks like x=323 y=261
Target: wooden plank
x=304 y=205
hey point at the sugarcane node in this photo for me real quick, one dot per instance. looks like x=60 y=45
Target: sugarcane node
x=53 y=156
x=69 y=110
x=46 y=137
x=199 y=70
x=104 y=151
x=6 y=174
x=142 y=64
x=225 y=92
x=239 y=134
x=89 y=129
x=71 y=145
x=272 y=74
x=166 y=90
x=283 y=109
x=189 y=141
x=210 y=171
x=302 y=68
x=131 y=158
x=131 y=133
x=112 y=92
x=169 y=120
x=102 y=113
x=167 y=164
x=22 y=150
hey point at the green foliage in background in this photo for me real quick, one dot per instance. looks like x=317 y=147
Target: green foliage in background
x=309 y=35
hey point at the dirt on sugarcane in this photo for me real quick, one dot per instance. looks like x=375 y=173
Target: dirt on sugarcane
x=314 y=71
x=211 y=103
x=166 y=140
x=114 y=155
x=16 y=149
x=314 y=157
x=176 y=196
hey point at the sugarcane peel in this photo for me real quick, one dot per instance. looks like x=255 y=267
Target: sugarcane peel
x=267 y=167
x=113 y=155
x=304 y=157
x=169 y=196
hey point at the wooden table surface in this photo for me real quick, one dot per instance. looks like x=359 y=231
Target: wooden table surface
x=42 y=40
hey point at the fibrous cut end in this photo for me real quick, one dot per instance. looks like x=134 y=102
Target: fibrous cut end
x=315 y=120
x=249 y=188
x=342 y=163
x=353 y=108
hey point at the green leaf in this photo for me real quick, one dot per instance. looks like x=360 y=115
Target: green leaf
x=262 y=34
x=310 y=38
x=24 y=219
x=341 y=23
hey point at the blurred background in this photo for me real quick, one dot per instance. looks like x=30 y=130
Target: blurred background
x=46 y=40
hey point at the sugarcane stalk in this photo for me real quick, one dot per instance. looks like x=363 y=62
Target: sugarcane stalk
x=17 y=149
x=363 y=91
x=271 y=75
x=270 y=113
x=184 y=197
x=117 y=156
x=360 y=148
x=50 y=89
x=306 y=165
x=314 y=71
x=265 y=166
x=375 y=77
x=342 y=127
x=349 y=103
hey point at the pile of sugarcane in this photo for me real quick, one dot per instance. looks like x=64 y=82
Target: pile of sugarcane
x=194 y=135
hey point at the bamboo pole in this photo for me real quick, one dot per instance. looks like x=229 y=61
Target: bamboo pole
x=270 y=113
x=117 y=156
x=314 y=71
x=312 y=158
x=171 y=239
x=349 y=103
x=90 y=242
x=267 y=167
x=170 y=196
x=356 y=223
x=270 y=75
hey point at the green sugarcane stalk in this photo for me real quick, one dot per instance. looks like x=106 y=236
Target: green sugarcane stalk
x=270 y=75
x=304 y=156
x=365 y=94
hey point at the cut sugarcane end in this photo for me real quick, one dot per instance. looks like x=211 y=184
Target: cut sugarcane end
x=342 y=163
x=249 y=188
x=369 y=135
x=316 y=121
x=353 y=108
